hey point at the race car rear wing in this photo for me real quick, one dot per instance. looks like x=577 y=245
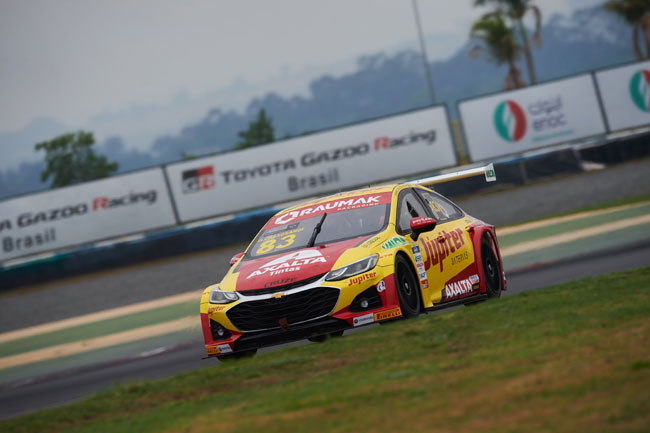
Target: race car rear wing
x=488 y=170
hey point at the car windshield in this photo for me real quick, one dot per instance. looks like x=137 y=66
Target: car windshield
x=337 y=226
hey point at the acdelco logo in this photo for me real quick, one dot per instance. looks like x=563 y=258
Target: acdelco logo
x=510 y=121
x=639 y=86
x=198 y=179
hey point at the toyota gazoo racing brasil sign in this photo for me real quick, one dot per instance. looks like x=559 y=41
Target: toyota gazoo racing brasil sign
x=340 y=158
x=625 y=92
x=79 y=214
x=530 y=118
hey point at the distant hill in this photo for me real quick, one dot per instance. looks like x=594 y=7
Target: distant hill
x=381 y=85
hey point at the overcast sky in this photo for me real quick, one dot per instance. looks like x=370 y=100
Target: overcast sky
x=71 y=59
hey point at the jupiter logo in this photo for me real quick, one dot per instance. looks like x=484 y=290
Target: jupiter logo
x=639 y=85
x=510 y=121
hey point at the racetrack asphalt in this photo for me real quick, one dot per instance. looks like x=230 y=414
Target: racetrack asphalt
x=70 y=386
x=190 y=273
x=36 y=305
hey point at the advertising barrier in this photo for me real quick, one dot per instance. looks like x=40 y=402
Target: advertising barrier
x=625 y=92
x=322 y=162
x=530 y=118
x=83 y=213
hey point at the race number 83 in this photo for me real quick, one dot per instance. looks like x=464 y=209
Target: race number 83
x=272 y=244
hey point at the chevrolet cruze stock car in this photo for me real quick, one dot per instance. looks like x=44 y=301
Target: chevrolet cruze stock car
x=348 y=260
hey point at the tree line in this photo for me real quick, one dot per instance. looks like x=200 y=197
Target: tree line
x=500 y=35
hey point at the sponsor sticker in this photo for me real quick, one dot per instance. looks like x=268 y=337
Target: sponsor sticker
x=215 y=309
x=388 y=314
x=340 y=205
x=394 y=242
x=381 y=286
x=289 y=263
x=474 y=279
x=458 y=288
x=443 y=247
x=363 y=320
x=419 y=264
x=361 y=278
x=224 y=348
x=370 y=242
x=211 y=350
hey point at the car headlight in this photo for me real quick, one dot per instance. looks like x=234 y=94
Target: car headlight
x=220 y=297
x=352 y=269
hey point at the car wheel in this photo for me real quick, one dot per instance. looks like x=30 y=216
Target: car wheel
x=236 y=355
x=408 y=288
x=321 y=338
x=491 y=269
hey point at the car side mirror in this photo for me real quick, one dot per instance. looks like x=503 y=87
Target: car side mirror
x=421 y=225
x=236 y=258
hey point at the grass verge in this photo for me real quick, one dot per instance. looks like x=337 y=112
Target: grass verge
x=568 y=358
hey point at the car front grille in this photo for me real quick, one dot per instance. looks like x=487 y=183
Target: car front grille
x=282 y=312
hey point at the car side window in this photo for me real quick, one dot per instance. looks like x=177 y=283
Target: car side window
x=443 y=210
x=408 y=207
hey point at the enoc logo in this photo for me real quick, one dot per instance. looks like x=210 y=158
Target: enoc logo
x=639 y=89
x=510 y=121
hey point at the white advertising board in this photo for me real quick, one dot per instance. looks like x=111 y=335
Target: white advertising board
x=625 y=93
x=83 y=213
x=530 y=118
x=328 y=161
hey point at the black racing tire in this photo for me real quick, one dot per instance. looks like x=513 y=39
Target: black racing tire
x=321 y=338
x=408 y=287
x=237 y=355
x=490 y=268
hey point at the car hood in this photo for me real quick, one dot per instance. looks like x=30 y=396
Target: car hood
x=292 y=267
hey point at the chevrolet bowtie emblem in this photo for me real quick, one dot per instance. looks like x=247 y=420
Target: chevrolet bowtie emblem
x=278 y=295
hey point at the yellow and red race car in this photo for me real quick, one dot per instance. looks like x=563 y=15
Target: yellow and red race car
x=352 y=259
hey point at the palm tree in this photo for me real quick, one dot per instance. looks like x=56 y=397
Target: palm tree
x=502 y=48
x=637 y=14
x=516 y=10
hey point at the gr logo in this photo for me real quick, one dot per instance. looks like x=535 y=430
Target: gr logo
x=639 y=84
x=198 y=179
x=510 y=121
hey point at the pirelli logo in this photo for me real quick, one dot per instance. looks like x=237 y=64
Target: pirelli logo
x=388 y=314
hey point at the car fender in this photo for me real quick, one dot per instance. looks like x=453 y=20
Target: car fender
x=477 y=231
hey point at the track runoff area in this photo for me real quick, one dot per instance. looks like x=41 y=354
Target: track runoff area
x=148 y=328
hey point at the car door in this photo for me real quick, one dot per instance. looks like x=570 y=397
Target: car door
x=409 y=206
x=448 y=251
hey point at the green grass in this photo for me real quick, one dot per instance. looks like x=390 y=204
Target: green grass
x=570 y=226
x=569 y=358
